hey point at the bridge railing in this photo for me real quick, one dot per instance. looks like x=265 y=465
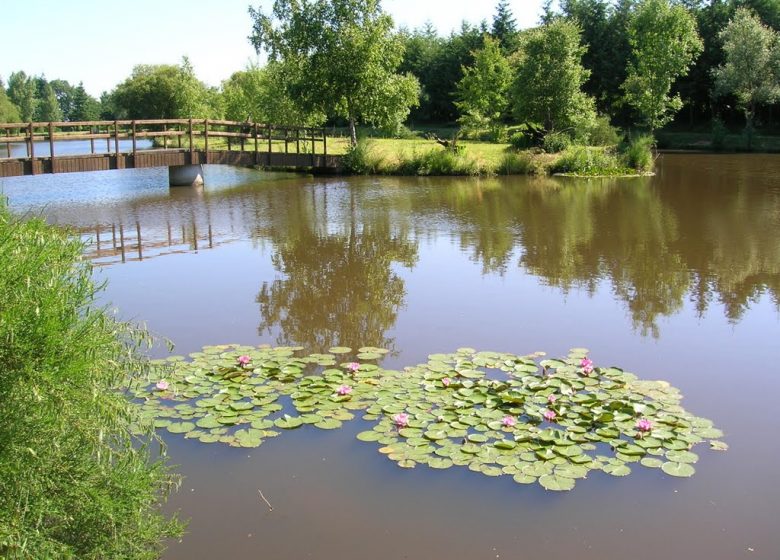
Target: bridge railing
x=122 y=136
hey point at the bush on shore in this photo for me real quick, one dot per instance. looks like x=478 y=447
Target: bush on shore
x=77 y=479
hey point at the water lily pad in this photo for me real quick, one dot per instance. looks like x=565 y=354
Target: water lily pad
x=682 y=470
x=556 y=483
x=288 y=422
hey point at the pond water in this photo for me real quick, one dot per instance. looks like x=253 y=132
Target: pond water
x=674 y=277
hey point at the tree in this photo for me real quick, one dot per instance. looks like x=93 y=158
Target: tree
x=8 y=111
x=664 y=44
x=341 y=58
x=257 y=94
x=21 y=92
x=504 y=27
x=482 y=93
x=751 y=71
x=163 y=91
x=48 y=108
x=83 y=107
x=549 y=78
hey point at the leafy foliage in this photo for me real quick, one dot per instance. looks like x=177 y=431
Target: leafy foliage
x=664 y=44
x=550 y=421
x=164 y=91
x=482 y=93
x=549 y=78
x=341 y=58
x=75 y=480
x=258 y=94
x=751 y=71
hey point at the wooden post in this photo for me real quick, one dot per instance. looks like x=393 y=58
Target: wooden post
x=116 y=142
x=92 y=140
x=313 y=156
x=51 y=145
x=108 y=139
x=324 y=142
x=134 y=146
x=256 y=146
x=32 y=148
x=178 y=136
x=270 y=145
x=206 y=137
x=165 y=138
x=192 y=148
x=241 y=130
x=286 y=140
x=297 y=140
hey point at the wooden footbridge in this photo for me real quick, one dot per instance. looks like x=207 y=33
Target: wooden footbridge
x=182 y=145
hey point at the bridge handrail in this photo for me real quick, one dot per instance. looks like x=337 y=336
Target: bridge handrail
x=190 y=129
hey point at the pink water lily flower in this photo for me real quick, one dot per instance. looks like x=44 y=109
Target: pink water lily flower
x=587 y=366
x=401 y=420
x=446 y=381
x=344 y=390
x=353 y=366
x=243 y=361
x=162 y=385
x=508 y=421
x=551 y=399
x=549 y=415
x=644 y=425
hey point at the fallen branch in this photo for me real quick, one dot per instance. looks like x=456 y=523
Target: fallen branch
x=270 y=507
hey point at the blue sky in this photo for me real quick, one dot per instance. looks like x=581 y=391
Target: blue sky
x=99 y=42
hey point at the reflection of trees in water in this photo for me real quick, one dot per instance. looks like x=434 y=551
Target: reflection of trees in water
x=654 y=245
x=339 y=286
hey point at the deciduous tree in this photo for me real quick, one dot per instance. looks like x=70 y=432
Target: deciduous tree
x=341 y=58
x=549 y=78
x=482 y=93
x=751 y=71
x=664 y=44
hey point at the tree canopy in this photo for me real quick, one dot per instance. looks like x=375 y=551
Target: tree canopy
x=482 y=93
x=163 y=91
x=751 y=71
x=664 y=44
x=340 y=57
x=549 y=77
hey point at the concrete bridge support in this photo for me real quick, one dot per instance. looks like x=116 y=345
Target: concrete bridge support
x=185 y=175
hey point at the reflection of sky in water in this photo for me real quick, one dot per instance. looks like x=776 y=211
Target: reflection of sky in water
x=675 y=277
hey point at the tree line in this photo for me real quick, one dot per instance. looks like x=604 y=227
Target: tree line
x=588 y=65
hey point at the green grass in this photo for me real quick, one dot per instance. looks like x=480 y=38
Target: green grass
x=75 y=479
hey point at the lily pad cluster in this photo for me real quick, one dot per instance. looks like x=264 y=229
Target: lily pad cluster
x=550 y=421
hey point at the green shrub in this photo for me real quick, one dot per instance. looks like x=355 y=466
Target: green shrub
x=719 y=132
x=517 y=164
x=582 y=160
x=637 y=155
x=521 y=141
x=438 y=162
x=362 y=160
x=602 y=133
x=75 y=479
x=555 y=142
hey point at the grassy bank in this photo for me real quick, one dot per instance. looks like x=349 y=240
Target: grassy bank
x=75 y=482
x=424 y=157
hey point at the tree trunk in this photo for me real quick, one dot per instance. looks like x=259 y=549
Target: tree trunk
x=352 y=131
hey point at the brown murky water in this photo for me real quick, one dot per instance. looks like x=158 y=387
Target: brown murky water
x=674 y=277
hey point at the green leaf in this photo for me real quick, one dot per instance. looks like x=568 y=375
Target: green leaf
x=682 y=470
x=556 y=483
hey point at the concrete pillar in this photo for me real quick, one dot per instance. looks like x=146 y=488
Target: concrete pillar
x=185 y=175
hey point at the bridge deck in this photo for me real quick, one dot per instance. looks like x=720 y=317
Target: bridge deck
x=257 y=145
